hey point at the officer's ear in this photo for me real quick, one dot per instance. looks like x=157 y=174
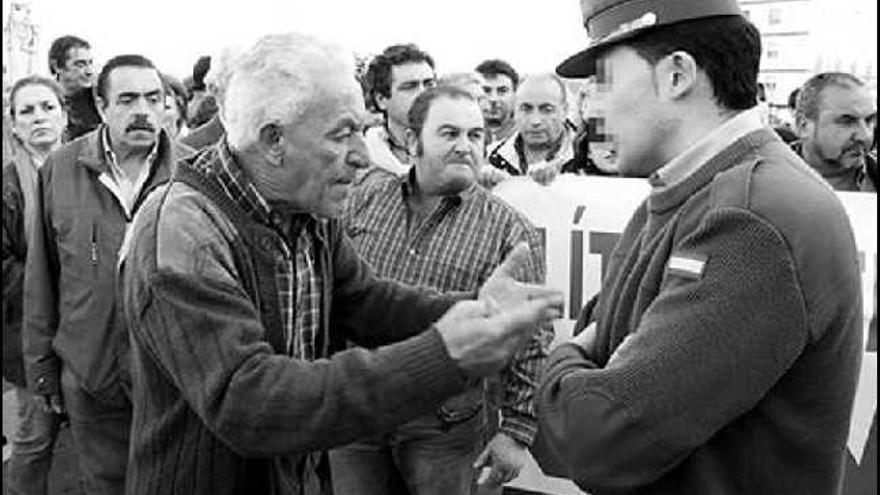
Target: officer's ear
x=271 y=143
x=677 y=75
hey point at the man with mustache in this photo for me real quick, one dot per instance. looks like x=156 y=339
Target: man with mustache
x=543 y=142
x=499 y=82
x=436 y=227
x=835 y=117
x=74 y=341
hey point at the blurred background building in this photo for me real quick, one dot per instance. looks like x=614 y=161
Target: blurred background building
x=803 y=37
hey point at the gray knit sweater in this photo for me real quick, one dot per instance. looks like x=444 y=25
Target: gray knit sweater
x=728 y=340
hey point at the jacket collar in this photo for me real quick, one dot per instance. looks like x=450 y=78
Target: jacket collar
x=511 y=149
x=94 y=157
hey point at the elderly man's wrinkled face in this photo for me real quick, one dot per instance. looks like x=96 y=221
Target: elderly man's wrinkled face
x=843 y=130
x=324 y=147
x=135 y=107
x=540 y=112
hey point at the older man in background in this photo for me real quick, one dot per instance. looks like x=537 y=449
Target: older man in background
x=835 y=119
x=543 y=142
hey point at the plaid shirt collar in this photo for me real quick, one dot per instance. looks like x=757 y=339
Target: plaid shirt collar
x=408 y=187
x=238 y=186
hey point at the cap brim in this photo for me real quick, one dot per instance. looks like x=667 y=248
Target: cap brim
x=579 y=65
x=583 y=63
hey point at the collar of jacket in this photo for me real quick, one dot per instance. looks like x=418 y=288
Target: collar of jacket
x=93 y=155
x=512 y=152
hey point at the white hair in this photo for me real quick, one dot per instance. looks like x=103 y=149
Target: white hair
x=222 y=64
x=274 y=82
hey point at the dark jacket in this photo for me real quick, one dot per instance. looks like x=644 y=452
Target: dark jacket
x=82 y=114
x=14 y=252
x=70 y=273
x=728 y=339
x=219 y=408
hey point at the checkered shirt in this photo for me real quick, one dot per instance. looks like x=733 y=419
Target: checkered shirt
x=300 y=286
x=455 y=248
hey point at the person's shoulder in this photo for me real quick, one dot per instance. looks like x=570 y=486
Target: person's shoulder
x=500 y=211
x=11 y=181
x=376 y=184
x=774 y=184
x=186 y=225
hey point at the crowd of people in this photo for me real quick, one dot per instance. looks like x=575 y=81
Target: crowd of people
x=282 y=275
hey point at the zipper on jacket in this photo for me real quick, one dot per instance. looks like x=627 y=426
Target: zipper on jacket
x=94 y=240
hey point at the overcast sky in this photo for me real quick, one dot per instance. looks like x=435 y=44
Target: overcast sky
x=532 y=35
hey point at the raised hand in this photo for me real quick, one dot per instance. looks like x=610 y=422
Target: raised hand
x=481 y=338
x=502 y=288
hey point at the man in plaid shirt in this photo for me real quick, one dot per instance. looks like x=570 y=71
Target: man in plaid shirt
x=436 y=227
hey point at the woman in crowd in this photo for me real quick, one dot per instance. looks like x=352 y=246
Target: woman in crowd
x=37 y=122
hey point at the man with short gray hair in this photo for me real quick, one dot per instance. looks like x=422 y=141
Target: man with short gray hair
x=239 y=283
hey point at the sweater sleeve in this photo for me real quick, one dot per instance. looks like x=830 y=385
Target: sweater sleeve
x=371 y=311
x=42 y=365
x=707 y=348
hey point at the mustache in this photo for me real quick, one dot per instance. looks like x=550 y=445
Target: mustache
x=461 y=158
x=860 y=147
x=140 y=124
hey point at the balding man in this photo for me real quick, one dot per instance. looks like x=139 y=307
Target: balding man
x=835 y=118
x=239 y=284
x=542 y=144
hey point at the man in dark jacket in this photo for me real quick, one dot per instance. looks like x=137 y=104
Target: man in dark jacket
x=74 y=344
x=726 y=344
x=70 y=62
x=239 y=282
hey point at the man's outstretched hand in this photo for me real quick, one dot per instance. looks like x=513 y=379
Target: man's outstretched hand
x=502 y=288
x=482 y=338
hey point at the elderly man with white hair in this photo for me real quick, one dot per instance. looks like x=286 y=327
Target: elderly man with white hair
x=238 y=285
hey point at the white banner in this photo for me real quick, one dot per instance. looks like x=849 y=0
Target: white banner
x=582 y=218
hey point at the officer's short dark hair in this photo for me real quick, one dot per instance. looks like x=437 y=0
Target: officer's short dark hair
x=727 y=48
